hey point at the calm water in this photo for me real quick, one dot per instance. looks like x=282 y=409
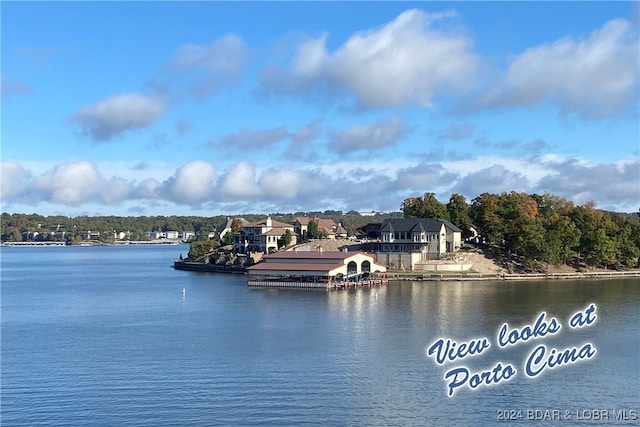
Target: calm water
x=104 y=336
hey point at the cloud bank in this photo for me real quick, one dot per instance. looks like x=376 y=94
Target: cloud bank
x=246 y=188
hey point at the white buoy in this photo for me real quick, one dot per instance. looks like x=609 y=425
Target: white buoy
x=184 y=291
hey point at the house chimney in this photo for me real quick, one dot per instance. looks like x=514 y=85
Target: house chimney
x=269 y=222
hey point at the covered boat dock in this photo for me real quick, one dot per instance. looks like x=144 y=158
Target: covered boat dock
x=322 y=269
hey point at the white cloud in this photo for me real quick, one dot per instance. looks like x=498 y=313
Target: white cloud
x=15 y=180
x=380 y=134
x=250 y=139
x=495 y=178
x=457 y=131
x=408 y=61
x=117 y=114
x=115 y=190
x=203 y=70
x=420 y=177
x=305 y=135
x=281 y=183
x=149 y=188
x=239 y=181
x=192 y=183
x=606 y=183
x=594 y=77
x=68 y=184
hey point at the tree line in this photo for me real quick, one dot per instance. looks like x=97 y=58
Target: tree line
x=540 y=228
x=19 y=226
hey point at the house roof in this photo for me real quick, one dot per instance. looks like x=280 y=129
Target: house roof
x=450 y=225
x=412 y=225
x=312 y=255
x=416 y=225
x=276 y=231
x=227 y=225
x=327 y=225
x=295 y=267
x=306 y=262
x=263 y=223
x=303 y=220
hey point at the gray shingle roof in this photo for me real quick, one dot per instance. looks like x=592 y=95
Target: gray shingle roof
x=415 y=225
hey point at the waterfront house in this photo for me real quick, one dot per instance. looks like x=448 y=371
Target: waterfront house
x=171 y=234
x=154 y=235
x=185 y=235
x=407 y=241
x=261 y=236
x=93 y=235
x=227 y=227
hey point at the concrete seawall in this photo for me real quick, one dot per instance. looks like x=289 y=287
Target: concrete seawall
x=528 y=276
x=425 y=276
x=207 y=268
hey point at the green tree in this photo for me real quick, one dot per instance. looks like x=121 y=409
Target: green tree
x=13 y=234
x=517 y=212
x=427 y=207
x=313 y=232
x=601 y=249
x=285 y=240
x=432 y=208
x=562 y=237
x=586 y=220
x=199 y=248
x=227 y=239
x=458 y=210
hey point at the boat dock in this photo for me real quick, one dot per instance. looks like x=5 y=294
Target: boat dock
x=302 y=284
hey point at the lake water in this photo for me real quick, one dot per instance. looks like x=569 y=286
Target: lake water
x=104 y=336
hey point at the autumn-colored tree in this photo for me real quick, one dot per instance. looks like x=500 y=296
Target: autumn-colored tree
x=236 y=225
x=412 y=207
x=483 y=212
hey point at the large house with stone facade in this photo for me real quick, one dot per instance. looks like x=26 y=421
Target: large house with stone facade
x=261 y=236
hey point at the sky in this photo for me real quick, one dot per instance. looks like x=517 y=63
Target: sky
x=215 y=108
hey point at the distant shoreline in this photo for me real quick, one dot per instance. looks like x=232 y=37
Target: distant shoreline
x=121 y=243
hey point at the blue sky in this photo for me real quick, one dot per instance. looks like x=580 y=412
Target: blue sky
x=207 y=108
